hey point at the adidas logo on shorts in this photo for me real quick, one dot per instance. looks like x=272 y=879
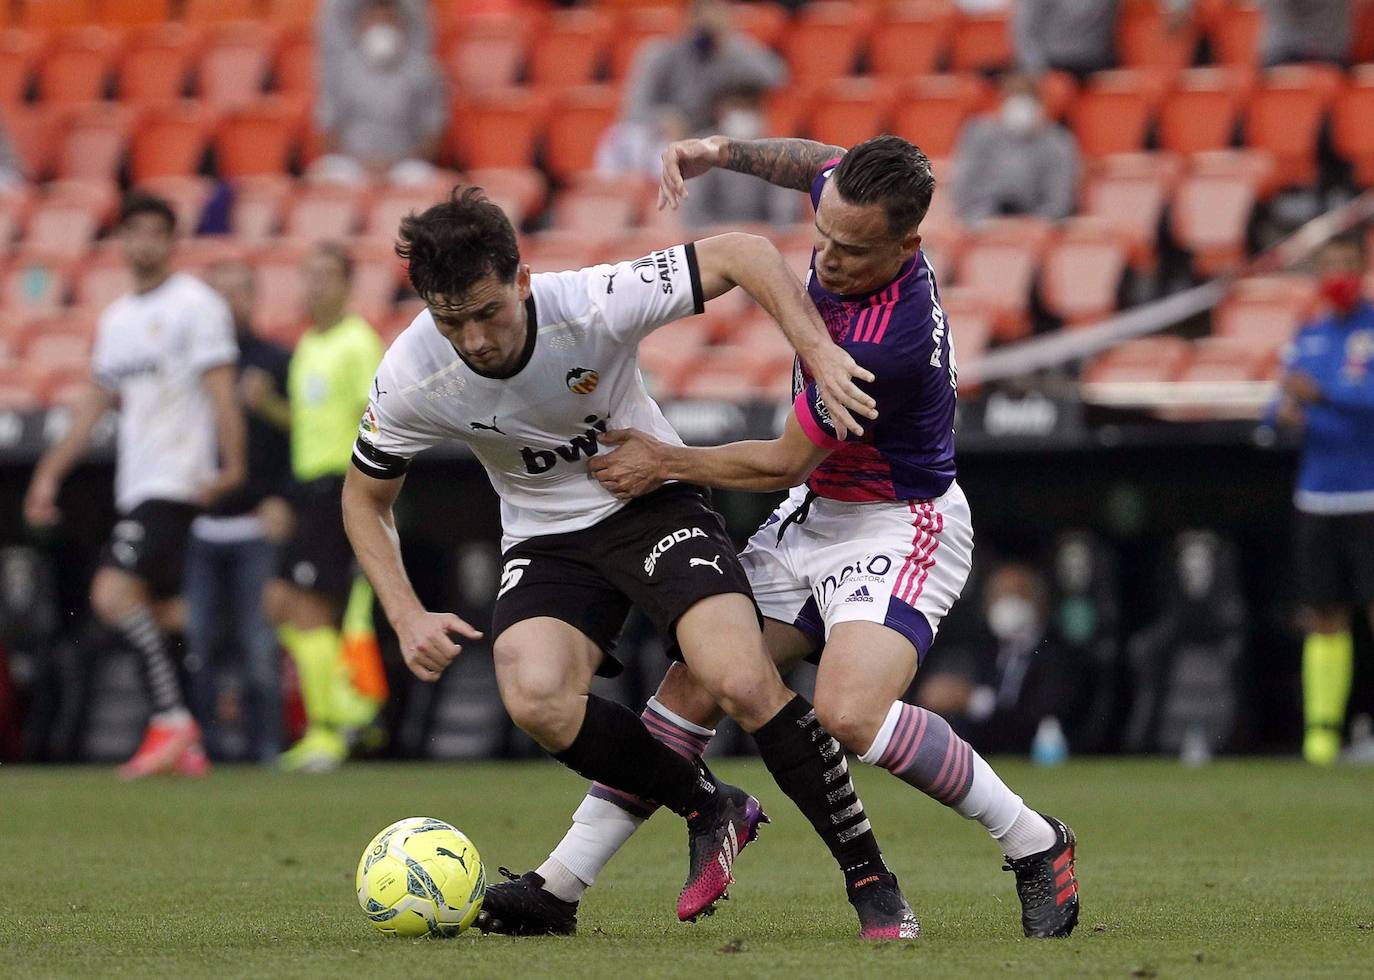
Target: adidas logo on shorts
x=862 y=595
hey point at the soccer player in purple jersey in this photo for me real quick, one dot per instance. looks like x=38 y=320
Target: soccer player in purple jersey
x=861 y=561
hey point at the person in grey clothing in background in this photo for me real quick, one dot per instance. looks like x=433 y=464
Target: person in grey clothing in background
x=676 y=83
x=11 y=167
x=1306 y=30
x=1077 y=36
x=1016 y=161
x=382 y=103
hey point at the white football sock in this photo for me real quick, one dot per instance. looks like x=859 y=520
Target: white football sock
x=1018 y=828
x=600 y=828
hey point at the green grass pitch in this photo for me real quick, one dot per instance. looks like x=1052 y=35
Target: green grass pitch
x=1248 y=868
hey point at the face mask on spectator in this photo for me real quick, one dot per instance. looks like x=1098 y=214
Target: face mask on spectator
x=1011 y=616
x=741 y=124
x=381 y=44
x=1021 y=113
x=704 y=41
x=1341 y=290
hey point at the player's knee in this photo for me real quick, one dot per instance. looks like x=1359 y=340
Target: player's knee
x=849 y=719
x=113 y=596
x=540 y=702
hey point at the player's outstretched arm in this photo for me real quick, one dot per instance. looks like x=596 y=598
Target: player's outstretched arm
x=425 y=637
x=40 y=502
x=754 y=264
x=790 y=163
x=642 y=463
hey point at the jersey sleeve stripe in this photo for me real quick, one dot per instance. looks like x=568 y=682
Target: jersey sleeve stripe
x=377 y=464
x=698 y=300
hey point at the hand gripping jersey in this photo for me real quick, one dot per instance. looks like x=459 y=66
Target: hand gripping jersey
x=535 y=430
x=900 y=334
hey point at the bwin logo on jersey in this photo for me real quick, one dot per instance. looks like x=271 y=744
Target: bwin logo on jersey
x=666 y=542
x=582 y=381
x=542 y=460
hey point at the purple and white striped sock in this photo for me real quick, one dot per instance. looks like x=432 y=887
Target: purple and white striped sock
x=679 y=734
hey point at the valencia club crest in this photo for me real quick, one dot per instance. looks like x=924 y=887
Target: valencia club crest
x=582 y=381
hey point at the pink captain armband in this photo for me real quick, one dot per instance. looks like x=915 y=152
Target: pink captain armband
x=806 y=416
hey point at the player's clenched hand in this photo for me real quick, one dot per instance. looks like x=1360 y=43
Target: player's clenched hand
x=636 y=466
x=427 y=641
x=835 y=373
x=40 y=503
x=683 y=160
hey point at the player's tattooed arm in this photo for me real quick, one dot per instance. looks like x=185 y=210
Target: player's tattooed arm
x=790 y=163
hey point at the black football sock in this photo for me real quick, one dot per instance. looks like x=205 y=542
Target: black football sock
x=810 y=767
x=614 y=747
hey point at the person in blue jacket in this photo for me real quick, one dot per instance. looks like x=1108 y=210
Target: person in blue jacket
x=1327 y=393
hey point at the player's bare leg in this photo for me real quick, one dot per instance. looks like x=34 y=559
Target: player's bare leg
x=123 y=603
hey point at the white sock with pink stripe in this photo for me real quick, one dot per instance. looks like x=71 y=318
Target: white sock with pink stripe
x=607 y=818
x=918 y=747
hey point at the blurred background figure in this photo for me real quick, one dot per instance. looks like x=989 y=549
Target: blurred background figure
x=1076 y=36
x=1016 y=161
x=1185 y=697
x=330 y=375
x=1327 y=396
x=722 y=196
x=11 y=167
x=165 y=356
x=232 y=553
x=1086 y=620
x=382 y=105
x=675 y=87
x=1297 y=31
x=999 y=698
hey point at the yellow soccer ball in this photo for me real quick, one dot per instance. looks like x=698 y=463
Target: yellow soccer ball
x=421 y=877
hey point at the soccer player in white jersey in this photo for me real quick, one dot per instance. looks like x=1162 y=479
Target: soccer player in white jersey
x=164 y=355
x=528 y=371
x=861 y=562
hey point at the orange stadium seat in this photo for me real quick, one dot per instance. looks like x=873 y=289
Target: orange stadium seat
x=1143 y=359
x=234 y=66
x=850 y=110
x=824 y=40
x=1234 y=34
x=259 y=138
x=667 y=356
x=279 y=306
x=1362 y=44
x=1082 y=271
x=600 y=205
x=932 y=110
x=157 y=63
x=485 y=52
x=970 y=322
x=1057 y=91
x=982 y=42
x=14 y=211
x=101 y=283
x=63 y=228
x=1129 y=192
x=554 y=251
x=259 y=203
x=53 y=14
x=764 y=22
x=77 y=66
x=170 y=140
x=1352 y=134
x=187 y=194
x=93 y=141
x=720 y=375
x=219 y=11
x=391 y=204
x=636 y=27
x=1212 y=206
x=520 y=191
x=34 y=286
x=571 y=48
x=1265 y=312
x=19 y=54
x=33 y=130
x=1226 y=359
x=943 y=245
x=1112 y=113
x=291 y=13
x=132 y=13
x=1284 y=118
x=1000 y=263
x=911 y=38
x=1145 y=39
x=294 y=69
x=377 y=274
x=323 y=212
x=497 y=129
x=1201 y=111
x=578 y=119
x=196 y=254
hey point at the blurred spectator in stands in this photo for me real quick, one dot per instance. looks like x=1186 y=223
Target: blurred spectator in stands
x=997 y=701
x=722 y=196
x=382 y=104
x=1077 y=36
x=232 y=553
x=676 y=83
x=1016 y=161
x=1086 y=618
x=1328 y=395
x=1306 y=30
x=11 y=167
x=1185 y=697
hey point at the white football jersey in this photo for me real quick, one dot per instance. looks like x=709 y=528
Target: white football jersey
x=535 y=430
x=151 y=350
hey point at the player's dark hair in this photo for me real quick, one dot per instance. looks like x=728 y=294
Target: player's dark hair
x=137 y=202
x=889 y=171
x=340 y=255
x=456 y=244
